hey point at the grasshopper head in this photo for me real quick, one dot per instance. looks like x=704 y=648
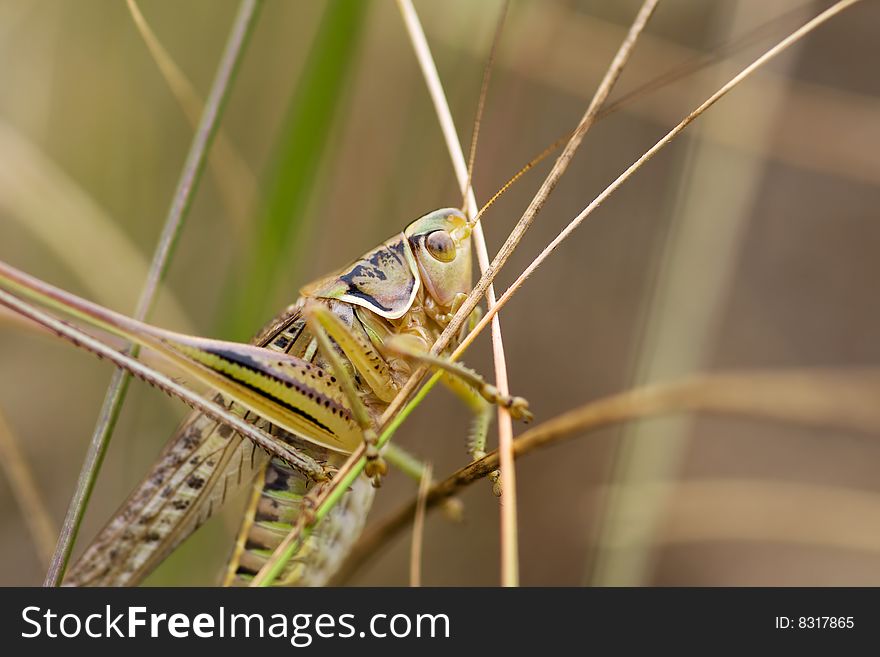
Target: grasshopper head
x=441 y=242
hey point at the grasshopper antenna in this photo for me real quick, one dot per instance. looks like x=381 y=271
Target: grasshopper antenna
x=484 y=88
x=693 y=65
x=532 y=163
x=715 y=54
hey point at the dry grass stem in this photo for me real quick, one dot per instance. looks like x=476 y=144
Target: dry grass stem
x=780 y=47
x=236 y=184
x=169 y=386
x=27 y=495
x=826 y=398
x=509 y=547
x=834 y=150
x=508 y=510
x=180 y=204
x=418 y=534
x=559 y=167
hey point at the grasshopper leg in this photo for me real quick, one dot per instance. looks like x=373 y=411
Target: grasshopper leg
x=415 y=469
x=482 y=410
x=409 y=464
x=368 y=362
x=411 y=347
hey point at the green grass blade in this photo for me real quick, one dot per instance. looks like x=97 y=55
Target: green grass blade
x=280 y=230
x=182 y=199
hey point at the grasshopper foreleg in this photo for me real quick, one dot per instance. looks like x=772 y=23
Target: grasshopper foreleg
x=410 y=347
x=366 y=361
x=469 y=386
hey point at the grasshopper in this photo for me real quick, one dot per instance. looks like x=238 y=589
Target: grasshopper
x=377 y=316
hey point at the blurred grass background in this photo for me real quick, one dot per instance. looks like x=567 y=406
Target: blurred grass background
x=751 y=242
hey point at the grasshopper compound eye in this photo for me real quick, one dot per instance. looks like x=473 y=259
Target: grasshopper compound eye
x=440 y=245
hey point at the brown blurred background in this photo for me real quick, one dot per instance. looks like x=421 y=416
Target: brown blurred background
x=750 y=242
